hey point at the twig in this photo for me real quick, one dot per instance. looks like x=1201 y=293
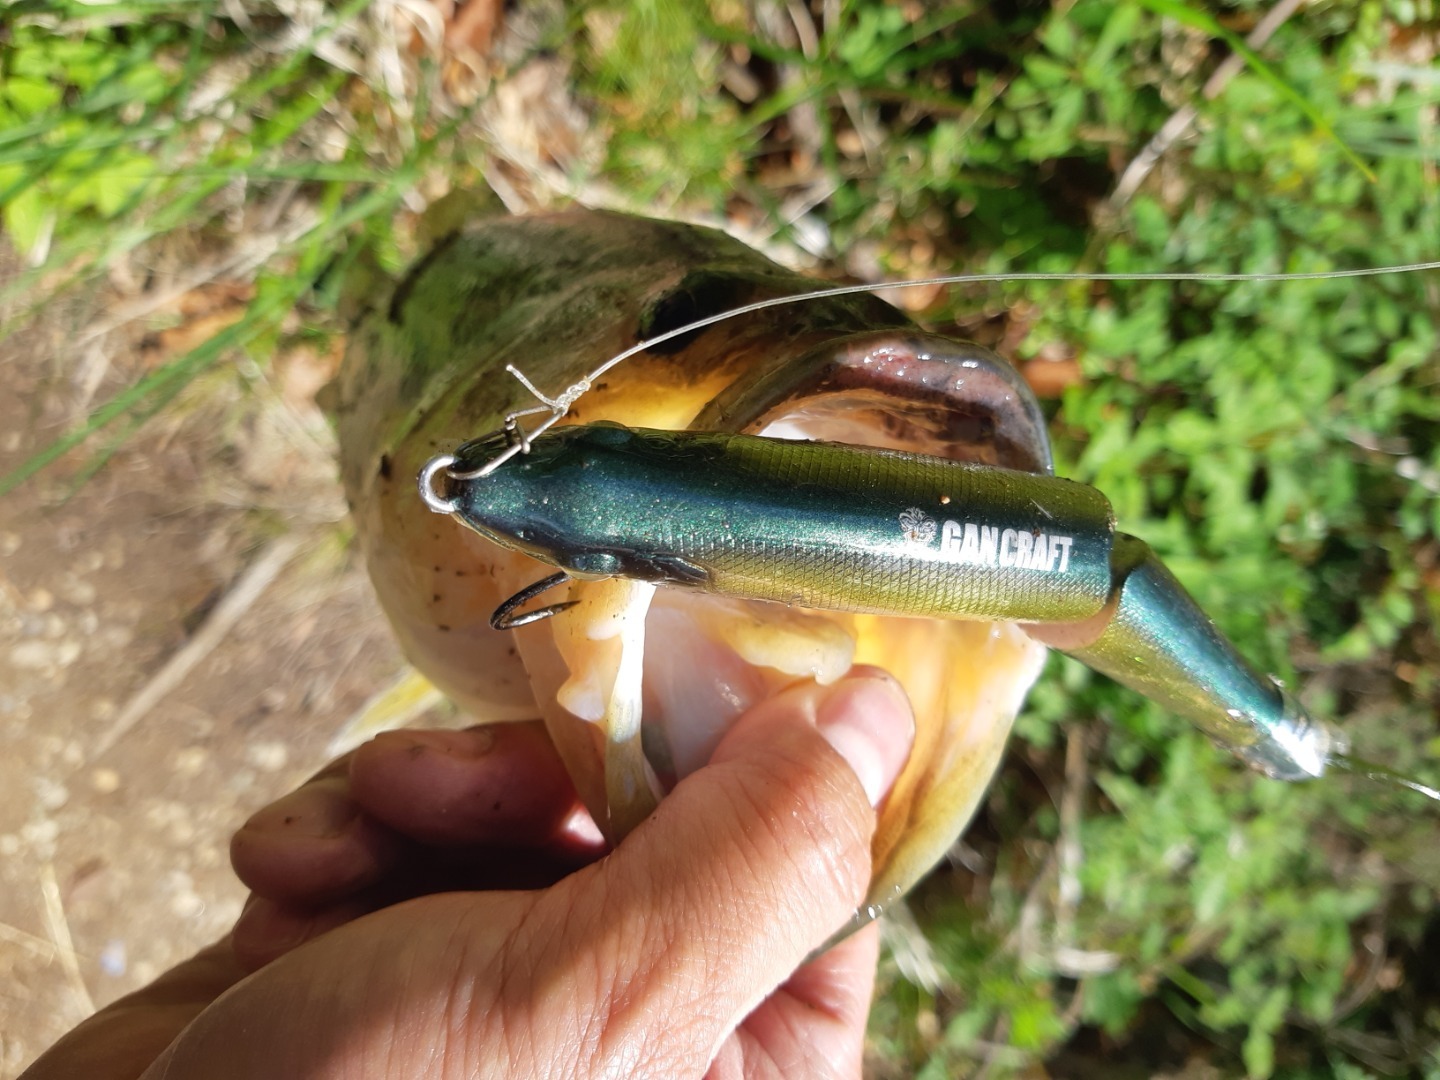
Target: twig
x=16 y=936
x=805 y=31
x=1373 y=942
x=1180 y=121
x=1062 y=866
x=804 y=115
x=1068 y=849
x=241 y=262
x=1024 y=939
x=248 y=588
x=997 y=1051
x=59 y=928
x=1076 y=963
x=912 y=951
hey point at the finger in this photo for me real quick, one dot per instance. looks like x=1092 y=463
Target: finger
x=121 y=1040
x=314 y=845
x=838 y=984
x=266 y=930
x=750 y=864
x=323 y=843
x=814 y=1025
x=502 y=783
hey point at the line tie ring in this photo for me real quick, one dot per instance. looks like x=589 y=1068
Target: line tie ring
x=427 y=484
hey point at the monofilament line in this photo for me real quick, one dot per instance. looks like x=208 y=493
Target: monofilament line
x=560 y=404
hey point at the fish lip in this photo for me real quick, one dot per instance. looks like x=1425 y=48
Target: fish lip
x=938 y=395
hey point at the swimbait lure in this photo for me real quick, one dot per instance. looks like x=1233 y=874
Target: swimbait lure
x=845 y=528
x=857 y=529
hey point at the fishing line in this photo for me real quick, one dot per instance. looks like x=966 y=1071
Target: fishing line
x=1381 y=774
x=559 y=405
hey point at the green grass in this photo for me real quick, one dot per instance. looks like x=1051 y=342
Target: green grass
x=1278 y=444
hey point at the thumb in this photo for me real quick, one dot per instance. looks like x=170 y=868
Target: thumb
x=753 y=861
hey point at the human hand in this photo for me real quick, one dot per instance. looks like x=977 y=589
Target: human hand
x=405 y=814
x=642 y=964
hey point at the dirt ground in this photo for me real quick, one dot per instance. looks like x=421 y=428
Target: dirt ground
x=217 y=537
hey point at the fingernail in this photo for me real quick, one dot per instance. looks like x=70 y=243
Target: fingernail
x=473 y=742
x=319 y=810
x=868 y=720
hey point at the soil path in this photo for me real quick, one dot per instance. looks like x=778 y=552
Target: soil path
x=113 y=862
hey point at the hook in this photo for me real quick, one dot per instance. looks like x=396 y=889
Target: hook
x=503 y=619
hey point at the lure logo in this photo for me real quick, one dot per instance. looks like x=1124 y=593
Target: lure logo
x=985 y=545
x=917 y=526
x=972 y=544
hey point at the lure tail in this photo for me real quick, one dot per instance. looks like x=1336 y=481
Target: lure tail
x=1153 y=638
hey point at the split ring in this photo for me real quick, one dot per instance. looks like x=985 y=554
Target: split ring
x=426 y=483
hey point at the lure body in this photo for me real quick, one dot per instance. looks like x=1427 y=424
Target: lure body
x=817 y=525
x=848 y=528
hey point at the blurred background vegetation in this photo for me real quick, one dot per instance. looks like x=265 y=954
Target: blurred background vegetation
x=1128 y=902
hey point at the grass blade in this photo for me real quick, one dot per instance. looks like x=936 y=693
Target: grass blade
x=1203 y=21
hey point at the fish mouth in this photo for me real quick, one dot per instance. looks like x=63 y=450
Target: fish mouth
x=708 y=659
x=901 y=391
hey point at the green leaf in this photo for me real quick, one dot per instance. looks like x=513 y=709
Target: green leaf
x=1201 y=20
x=116 y=185
x=25 y=219
x=1119 y=29
x=31 y=97
x=1047 y=73
x=1258 y=1050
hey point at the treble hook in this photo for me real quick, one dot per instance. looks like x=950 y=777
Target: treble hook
x=503 y=618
